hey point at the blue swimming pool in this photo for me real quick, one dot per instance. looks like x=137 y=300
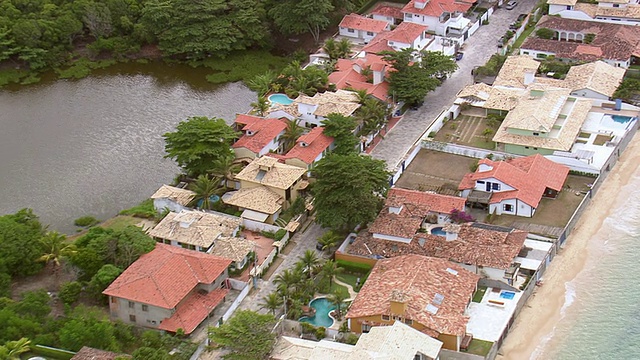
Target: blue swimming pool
x=280 y=99
x=321 y=318
x=438 y=231
x=621 y=119
x=507 y=295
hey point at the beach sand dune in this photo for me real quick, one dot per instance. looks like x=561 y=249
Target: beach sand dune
x=537 y=320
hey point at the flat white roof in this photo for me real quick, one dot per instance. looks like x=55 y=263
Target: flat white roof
x=529 y=264
x=538 y=245
x=487 y=322
x=254 y=215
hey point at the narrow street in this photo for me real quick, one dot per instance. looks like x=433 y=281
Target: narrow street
x=477 y=50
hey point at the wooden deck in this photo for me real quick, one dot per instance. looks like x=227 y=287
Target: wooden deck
x=543 y=230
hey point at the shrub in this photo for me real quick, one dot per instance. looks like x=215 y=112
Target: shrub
x=143 y=210
x=432 y=134
x=354 y=267
x=459 y=217
x=307 y=328
x=321 y=332
x=453 y=126
x=545 y=33
x=86 y=221
x=70 y=292
x=351 y=339
x=279 y=234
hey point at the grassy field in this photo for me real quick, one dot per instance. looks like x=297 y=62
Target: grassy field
x=339 y=288
x=479 y=294
x=479 y=347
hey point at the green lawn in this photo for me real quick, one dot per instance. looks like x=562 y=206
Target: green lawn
x=350 y=279
x=335 y=287
x=120 y=222
x=477 y=297
x=479 y=347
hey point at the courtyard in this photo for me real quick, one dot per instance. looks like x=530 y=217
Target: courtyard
x=471 y=128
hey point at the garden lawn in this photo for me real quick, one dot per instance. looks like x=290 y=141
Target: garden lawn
x=479 y=347
x=350 y=279
x=339 y=288
x=479 y=294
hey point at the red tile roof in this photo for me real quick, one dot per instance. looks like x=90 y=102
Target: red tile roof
x=476 y=244
x=416 y=281
x=166 y=275
x=406 y=32
x=264 y=131
x=416 y=205
x=529 y=176
x=87 y=353
x=193 y=310
x=387 y=10
x=316 y=142
x=436 y=7
x=611 y=41
x=346 y=77
x=244 y=119
x=359 y=22
x=378 y=44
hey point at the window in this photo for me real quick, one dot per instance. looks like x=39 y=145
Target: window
x=541 y=56
x=526 y=147
x=385 y=317
x=131 y=305
x=166 y=241
x=616 y=5
x=536 y=134
x=351 y=30
x=569 y=7
x=114 y=300
x=369 y=33
x=495 y=186
x=366 y=328
x=507 y=207
x=480 y=181
x=145 y=307
x=132 y=318
x=408 y=321
x=525 y=52
x=535 y=148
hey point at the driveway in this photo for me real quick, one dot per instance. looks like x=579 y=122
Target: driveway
x=478 y=49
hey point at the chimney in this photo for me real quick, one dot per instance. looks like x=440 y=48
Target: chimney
x=398 y=302
x=529 y=77
x=451 y=231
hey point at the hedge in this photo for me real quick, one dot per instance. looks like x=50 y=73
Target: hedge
x=354 y=267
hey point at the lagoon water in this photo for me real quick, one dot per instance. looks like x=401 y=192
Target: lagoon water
x=94 y=146
x=601 y=315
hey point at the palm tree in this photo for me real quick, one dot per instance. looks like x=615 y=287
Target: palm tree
x=204 y=187
x=226 y=168
x=343 y=48
x=328 y=240
x=291 y=134
x=310 y=260
x=337 y=299
x=262 y=83
x=329 y=270
x=54 y=249
x=13 y=349
x=272 y=302
x=287 y=282
x=261 y=106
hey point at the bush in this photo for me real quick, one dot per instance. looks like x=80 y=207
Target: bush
x=321 y=332
x=143 y=210
x=307 y=328
x=280 y=234
x=432 y=134
x=545 y=33
x=351 y=339
x=70 y=292
x=354 y=267
x=86 y=221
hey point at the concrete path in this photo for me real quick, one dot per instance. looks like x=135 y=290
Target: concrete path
x=352 y=294
x=478 y=49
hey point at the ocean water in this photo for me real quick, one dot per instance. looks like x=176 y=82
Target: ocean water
x=600 y=318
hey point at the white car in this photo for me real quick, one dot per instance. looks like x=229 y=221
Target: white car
x=511 y=5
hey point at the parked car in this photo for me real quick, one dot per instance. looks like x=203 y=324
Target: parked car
x=501 y=42
x=511 y=5
x=459 y=55
x=522 y=17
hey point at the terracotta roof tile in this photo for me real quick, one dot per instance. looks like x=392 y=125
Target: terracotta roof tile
x=530 y=176
x=406 y=32
x=436 y=7
x=387 y=10
x=428 y=201
x=258 y=198
x=310 y=145
x=269 y=172
x=262 y=132
x=244 y=119
x=475 y=245
x=359 y=22
x=166 y=275
x=596 y=76
x=197 y=228
x=421 y=281
x=180 y=196
x=378 y=44
x=193 y=310
x=346 y=77
x=233 y=248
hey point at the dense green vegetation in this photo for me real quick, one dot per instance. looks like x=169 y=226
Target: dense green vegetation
x=247 y=335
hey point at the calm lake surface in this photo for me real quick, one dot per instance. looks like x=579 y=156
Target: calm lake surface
x=94 y=146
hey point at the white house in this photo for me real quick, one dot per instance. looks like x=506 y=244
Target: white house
x=387 y=12
x=442 y=17
x=260 y=136
x=311 y=110
x=172 y=198
x=361 y=28
x=409 y=35
x=626 y=12
x=514 y=187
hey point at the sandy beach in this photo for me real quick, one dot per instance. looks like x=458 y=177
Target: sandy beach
x=542 y=312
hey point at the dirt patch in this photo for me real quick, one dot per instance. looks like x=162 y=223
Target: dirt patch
x=272 y=268
x=436 y=171
x=46 y=279
x=469 y=130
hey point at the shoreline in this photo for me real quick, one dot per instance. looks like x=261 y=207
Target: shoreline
x=533 y=329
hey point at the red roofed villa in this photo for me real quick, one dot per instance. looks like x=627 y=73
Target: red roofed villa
x=348 y=75
x=260 y=136
x=169 y=288
x=431 y=295
x=516 y=186
x=444 y=17
x=361 y=27
x=309 y=148
x=387 y=12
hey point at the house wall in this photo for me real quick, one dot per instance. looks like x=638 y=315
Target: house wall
x=185 y=245
x=483 y=186
x=273 y=145
x=162 y=203
x=538 y=54
x=485 y=272
x=366 y=36
x=120 y=310
x=519 y=208
x=244 y=153
x=392 y=238
x=433 y=23
x=297 y=162
x=216 y=284
x=526 y=150
x=389 y=19
x=588 y=93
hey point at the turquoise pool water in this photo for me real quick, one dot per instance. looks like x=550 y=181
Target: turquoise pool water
x=507 y=295
x=621 y=119
x=321 y=318
x=438 y=231
x=280 y=99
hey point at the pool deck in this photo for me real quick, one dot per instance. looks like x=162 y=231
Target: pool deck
x=488 y=320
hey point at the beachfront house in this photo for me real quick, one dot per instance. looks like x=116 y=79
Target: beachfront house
x=311 y=110
x=169 y=289
x=259 y=136
x=173 y=198
x=361 y=28
x=430 y=295
x=514 y=186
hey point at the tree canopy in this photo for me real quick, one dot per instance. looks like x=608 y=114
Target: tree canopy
x=341 y=128
x=417 y=73
x=20 y=247
x=301 y=16
x=198 y=142
x=247 y=334
x=348 y=190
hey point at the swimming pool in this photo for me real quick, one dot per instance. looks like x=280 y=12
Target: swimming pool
x=507 y=295
x=321 y=318
x=280 y=99
x=620 y=119
x=438 y=231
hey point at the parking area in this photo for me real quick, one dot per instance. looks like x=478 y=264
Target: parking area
x=436 y=171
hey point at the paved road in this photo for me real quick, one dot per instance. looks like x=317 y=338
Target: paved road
x=303 y=242
x=478 y=49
